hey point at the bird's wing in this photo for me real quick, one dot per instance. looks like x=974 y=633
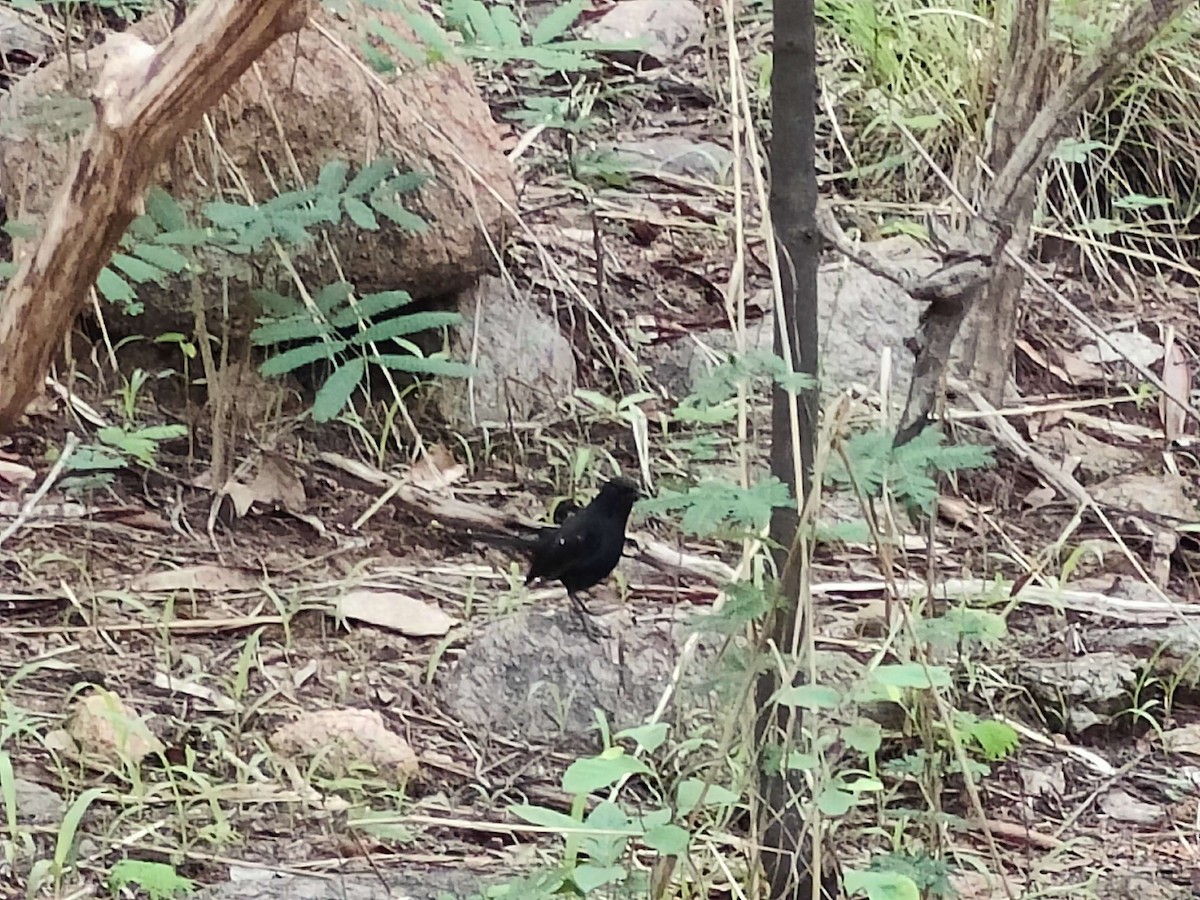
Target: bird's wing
x=560 y=549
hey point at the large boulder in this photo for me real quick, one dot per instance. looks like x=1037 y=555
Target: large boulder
x=309 y=100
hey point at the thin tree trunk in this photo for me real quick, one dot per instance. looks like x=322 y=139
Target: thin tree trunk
x=990 y=330
x=786 y=856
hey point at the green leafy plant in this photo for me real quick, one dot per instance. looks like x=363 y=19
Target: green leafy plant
x=491 y=31
x=910 y=471
x=552 y=112
x=151 y=247
x=158 y=881
x=131 y=387
x=719 y=508
x=316 y=333
x=597 y=841
x=96 y=464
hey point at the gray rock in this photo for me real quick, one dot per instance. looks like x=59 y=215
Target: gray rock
x=538 y=675
x=860 y=316
x=20 y=33
x=1087 y=690
x=525 y=364
x=664 y=28
x=676 y=155
x=1122 y=885
x=36 y=804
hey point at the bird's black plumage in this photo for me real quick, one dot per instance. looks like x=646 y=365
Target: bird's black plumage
x=586 y=547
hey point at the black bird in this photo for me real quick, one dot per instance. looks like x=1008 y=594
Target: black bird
x=585 y=548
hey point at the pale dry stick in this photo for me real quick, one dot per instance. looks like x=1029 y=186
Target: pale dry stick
x=73 y=600
x=1017 y=554
x=1082 y=318
x=526 y=141
x=473 y=357
x=760 y=189
x=731 y=879
x=223 y=624
x=1127 y=252
x=1115 y=427
x=99 y=314
x=1092 y=253
x=1095 y=794
x=735 y=291
x=1003 y=430
x=552 y=266
x=397 y=485
x=1035 y=409
x=1093 y=761
x=831 y=113
x=52 y=476
x=1121 y=609
x=79 y=405
x=460 y=824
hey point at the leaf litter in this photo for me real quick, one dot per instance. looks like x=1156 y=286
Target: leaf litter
x=252 y=648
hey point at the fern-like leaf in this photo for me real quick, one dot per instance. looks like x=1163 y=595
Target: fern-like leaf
x=433 y=366
x=338 y=388
x=402 y=325
x=370 y=307
x=293 y=359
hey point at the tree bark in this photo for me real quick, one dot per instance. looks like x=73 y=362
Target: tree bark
x=787 y=855
x=990 y=329
x=146 y=98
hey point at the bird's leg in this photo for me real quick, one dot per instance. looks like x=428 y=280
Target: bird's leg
x=578 y=603
x=584 y=615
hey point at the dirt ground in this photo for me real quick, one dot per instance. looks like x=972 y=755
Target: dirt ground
x=226 y=637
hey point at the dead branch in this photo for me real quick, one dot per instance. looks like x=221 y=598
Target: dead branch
x=146 y=99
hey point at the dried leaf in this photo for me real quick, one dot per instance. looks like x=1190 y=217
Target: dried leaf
x=399 y=612
x=196 y=578
x=1131 y=346
x=175 y=685
x=1065 y=366
x=276 y=483
x=958 y=511
x=437 y=469
x=1039 y=497
x=1165 y=495
x=16 y=473
x=1185 y=739
x=1124 y=807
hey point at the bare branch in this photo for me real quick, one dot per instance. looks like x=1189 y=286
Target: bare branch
x=960 y=274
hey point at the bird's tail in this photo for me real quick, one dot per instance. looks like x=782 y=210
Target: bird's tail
x=499 y=539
